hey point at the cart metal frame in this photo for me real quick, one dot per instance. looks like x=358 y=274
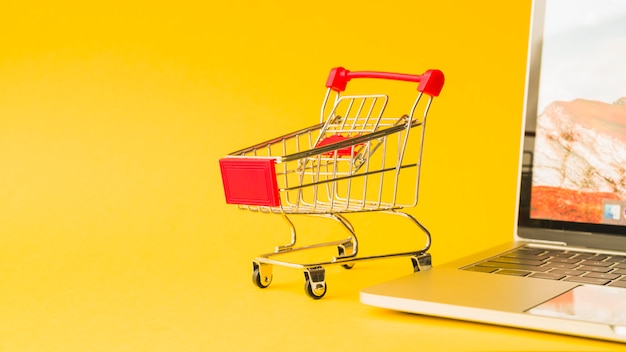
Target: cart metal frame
x=350 y=162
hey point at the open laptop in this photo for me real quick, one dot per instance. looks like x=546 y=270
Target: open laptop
x=565 y=271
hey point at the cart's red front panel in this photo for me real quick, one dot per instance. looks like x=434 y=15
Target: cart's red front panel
x=250 y=181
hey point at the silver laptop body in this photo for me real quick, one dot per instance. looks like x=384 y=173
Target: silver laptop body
x=572 y=193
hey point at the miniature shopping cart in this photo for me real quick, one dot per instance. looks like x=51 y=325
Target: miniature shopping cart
x=357 y=159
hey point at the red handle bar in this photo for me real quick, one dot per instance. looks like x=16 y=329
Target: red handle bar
x=430 y=82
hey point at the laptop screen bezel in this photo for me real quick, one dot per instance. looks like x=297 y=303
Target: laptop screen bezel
x=564 y=232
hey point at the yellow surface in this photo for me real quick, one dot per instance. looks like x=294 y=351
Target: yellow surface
x=114 y=232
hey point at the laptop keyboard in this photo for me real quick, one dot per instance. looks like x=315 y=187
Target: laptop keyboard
x=556 y=264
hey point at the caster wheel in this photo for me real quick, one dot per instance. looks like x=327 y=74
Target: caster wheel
x=315 y=290
x=262 y=281
x=342 y=253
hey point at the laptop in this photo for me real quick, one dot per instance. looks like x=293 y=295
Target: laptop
x=565 y=268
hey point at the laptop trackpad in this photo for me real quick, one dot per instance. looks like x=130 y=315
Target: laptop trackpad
x=596 y=304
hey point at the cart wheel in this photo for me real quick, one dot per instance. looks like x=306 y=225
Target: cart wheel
x=315 y=285
x=316 y=292
x=261 y=280
x=342 y=252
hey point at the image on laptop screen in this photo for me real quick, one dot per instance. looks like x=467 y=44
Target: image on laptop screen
x=579 y=161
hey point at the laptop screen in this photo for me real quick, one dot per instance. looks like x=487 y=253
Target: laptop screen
x=574 y=163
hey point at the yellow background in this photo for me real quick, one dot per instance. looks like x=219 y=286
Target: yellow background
x=114 y=235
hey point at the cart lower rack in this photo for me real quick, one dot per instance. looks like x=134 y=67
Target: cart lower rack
x=357 y=159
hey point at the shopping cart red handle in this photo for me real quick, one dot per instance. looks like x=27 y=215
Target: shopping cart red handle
x=430 y=82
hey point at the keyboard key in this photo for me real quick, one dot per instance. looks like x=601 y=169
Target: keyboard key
x=603 y=276
x=561 y=265
x=530 y=250
x=564 y=260
x=618 y=283
x=513 y=266
x=597 y=269
x=561 y=254
x=591 y=256
x=513 y=272
x=518 y=261
x=568 y=272
x=481 y=269
x=586 y=280
x=549 y=276
x=522 y=254
x=599 y=257
x=595 y=263
x=619 y=272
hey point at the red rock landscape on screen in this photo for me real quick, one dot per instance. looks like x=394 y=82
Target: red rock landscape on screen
x=580 y=159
